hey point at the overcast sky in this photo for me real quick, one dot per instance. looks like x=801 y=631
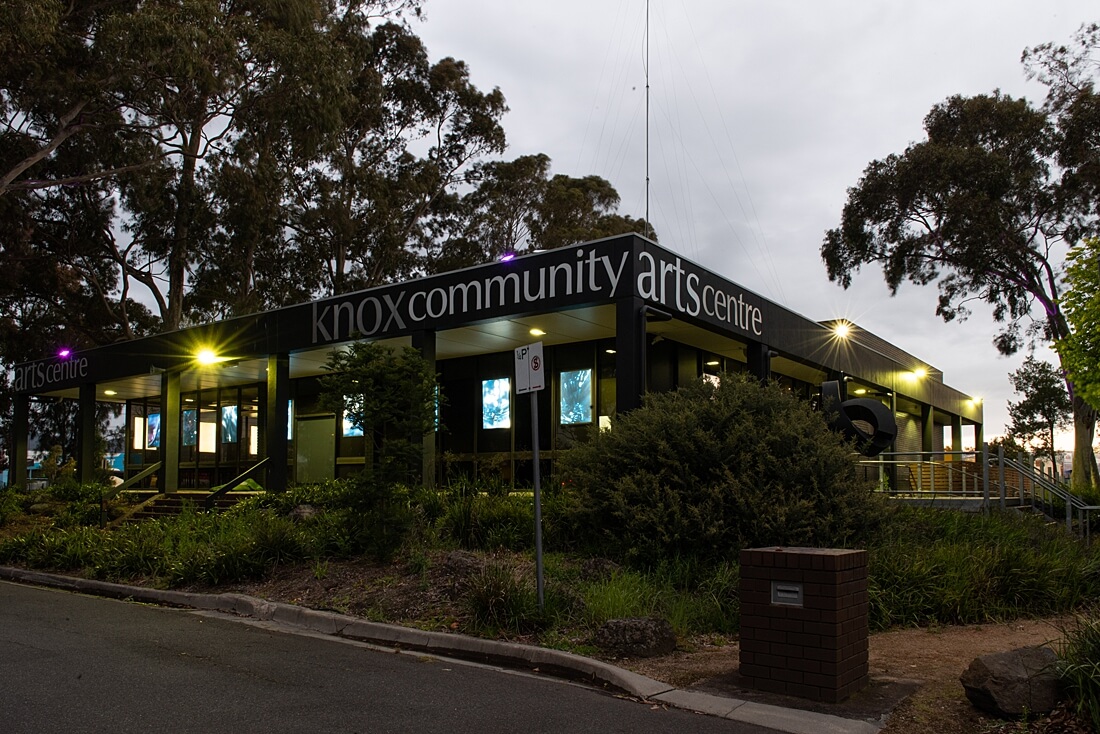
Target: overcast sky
x=762 y=114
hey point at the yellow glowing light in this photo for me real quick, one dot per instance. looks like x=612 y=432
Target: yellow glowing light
x=206 y=356
x=537 y=332
x=110 y=392
x=842 y=329
x=713 y=363
x=861 y=391
x=920 y=373
x=976 y=400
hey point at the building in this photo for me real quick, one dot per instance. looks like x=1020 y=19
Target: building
x=617 y=317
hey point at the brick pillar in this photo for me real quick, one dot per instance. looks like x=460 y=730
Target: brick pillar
x=804 y=621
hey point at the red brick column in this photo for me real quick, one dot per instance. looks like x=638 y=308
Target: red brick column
x=804 y=621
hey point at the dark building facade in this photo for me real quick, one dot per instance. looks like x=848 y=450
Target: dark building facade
x=617 y=317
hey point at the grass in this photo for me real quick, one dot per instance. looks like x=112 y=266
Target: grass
x=927 y=567
x=1080 y=665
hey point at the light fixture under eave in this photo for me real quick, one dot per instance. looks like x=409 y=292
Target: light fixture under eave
x=842 y=329
x=110 y=393
x=206 y=357
x=537 y=332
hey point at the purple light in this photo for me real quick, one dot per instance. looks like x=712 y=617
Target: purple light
x=64 y=353
x=507 y=256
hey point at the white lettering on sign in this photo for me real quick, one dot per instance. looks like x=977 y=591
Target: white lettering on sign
x=674 y=286
x=373 y=315
x=42 y=374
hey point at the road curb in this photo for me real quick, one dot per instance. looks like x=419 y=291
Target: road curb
x=506 y=654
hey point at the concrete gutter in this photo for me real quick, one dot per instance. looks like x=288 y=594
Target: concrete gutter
x=450 y=645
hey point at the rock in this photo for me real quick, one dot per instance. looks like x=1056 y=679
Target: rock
x=639 y=637
x=1014 y=683
x=302 y=512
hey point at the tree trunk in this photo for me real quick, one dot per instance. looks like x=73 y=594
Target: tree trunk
x=1085 y=474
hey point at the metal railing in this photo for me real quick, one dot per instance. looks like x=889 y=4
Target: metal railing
x=233 y=483
x=946 y=477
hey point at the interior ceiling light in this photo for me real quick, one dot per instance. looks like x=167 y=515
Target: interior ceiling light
x=713 y=363
x=537 y=332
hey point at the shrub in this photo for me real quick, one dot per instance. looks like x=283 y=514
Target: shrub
x=490 y=522
x=499 y=598
x=945 y=566
x=379 y=516
x=1079 y=667
x=706 y=470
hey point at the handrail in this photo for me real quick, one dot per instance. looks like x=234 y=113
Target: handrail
x=1041 y=492
x=111 y=492
x=208 y=503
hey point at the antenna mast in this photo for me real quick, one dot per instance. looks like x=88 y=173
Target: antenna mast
x=647 y=225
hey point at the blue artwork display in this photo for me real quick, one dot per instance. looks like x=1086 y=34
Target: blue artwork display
x=576 y=397
x=350 y=429
x=152 y=431
x=496 y=405
x=229 y=424
x=190 y=427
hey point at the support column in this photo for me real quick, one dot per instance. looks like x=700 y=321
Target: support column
x=169 y=480
x=85 y=435
x=927 y=423
x=274 y=427
x=759 y=357
x=424 y=342
x=630 y=354
x=956 y=433
x=20 y=429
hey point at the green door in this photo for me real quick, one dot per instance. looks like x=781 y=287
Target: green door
x=316 y=458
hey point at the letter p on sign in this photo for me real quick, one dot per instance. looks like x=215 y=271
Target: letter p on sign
x=529 y=372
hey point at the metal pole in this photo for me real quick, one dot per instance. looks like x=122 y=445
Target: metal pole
x=985 y=479
x=538 y=495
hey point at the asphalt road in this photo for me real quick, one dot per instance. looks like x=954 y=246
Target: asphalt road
x=72 y=663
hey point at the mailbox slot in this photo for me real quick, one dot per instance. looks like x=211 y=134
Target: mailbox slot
x=787 y=593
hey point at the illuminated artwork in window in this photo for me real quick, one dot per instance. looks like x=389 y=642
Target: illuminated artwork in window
x=190 y=427
x=152 y=431
x=496 y=406
x=350 y=429
x=576 y=397
x=229 y=424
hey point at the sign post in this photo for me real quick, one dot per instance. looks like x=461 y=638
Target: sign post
x=529 y=379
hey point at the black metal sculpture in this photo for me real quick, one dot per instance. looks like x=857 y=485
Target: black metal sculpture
x=843 y=415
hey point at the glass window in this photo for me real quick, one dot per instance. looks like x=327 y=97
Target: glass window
x=576 y=397
x=496 y=407
x=229 y=424
x=350 y=429
x=190 y=427
x=152 y=431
